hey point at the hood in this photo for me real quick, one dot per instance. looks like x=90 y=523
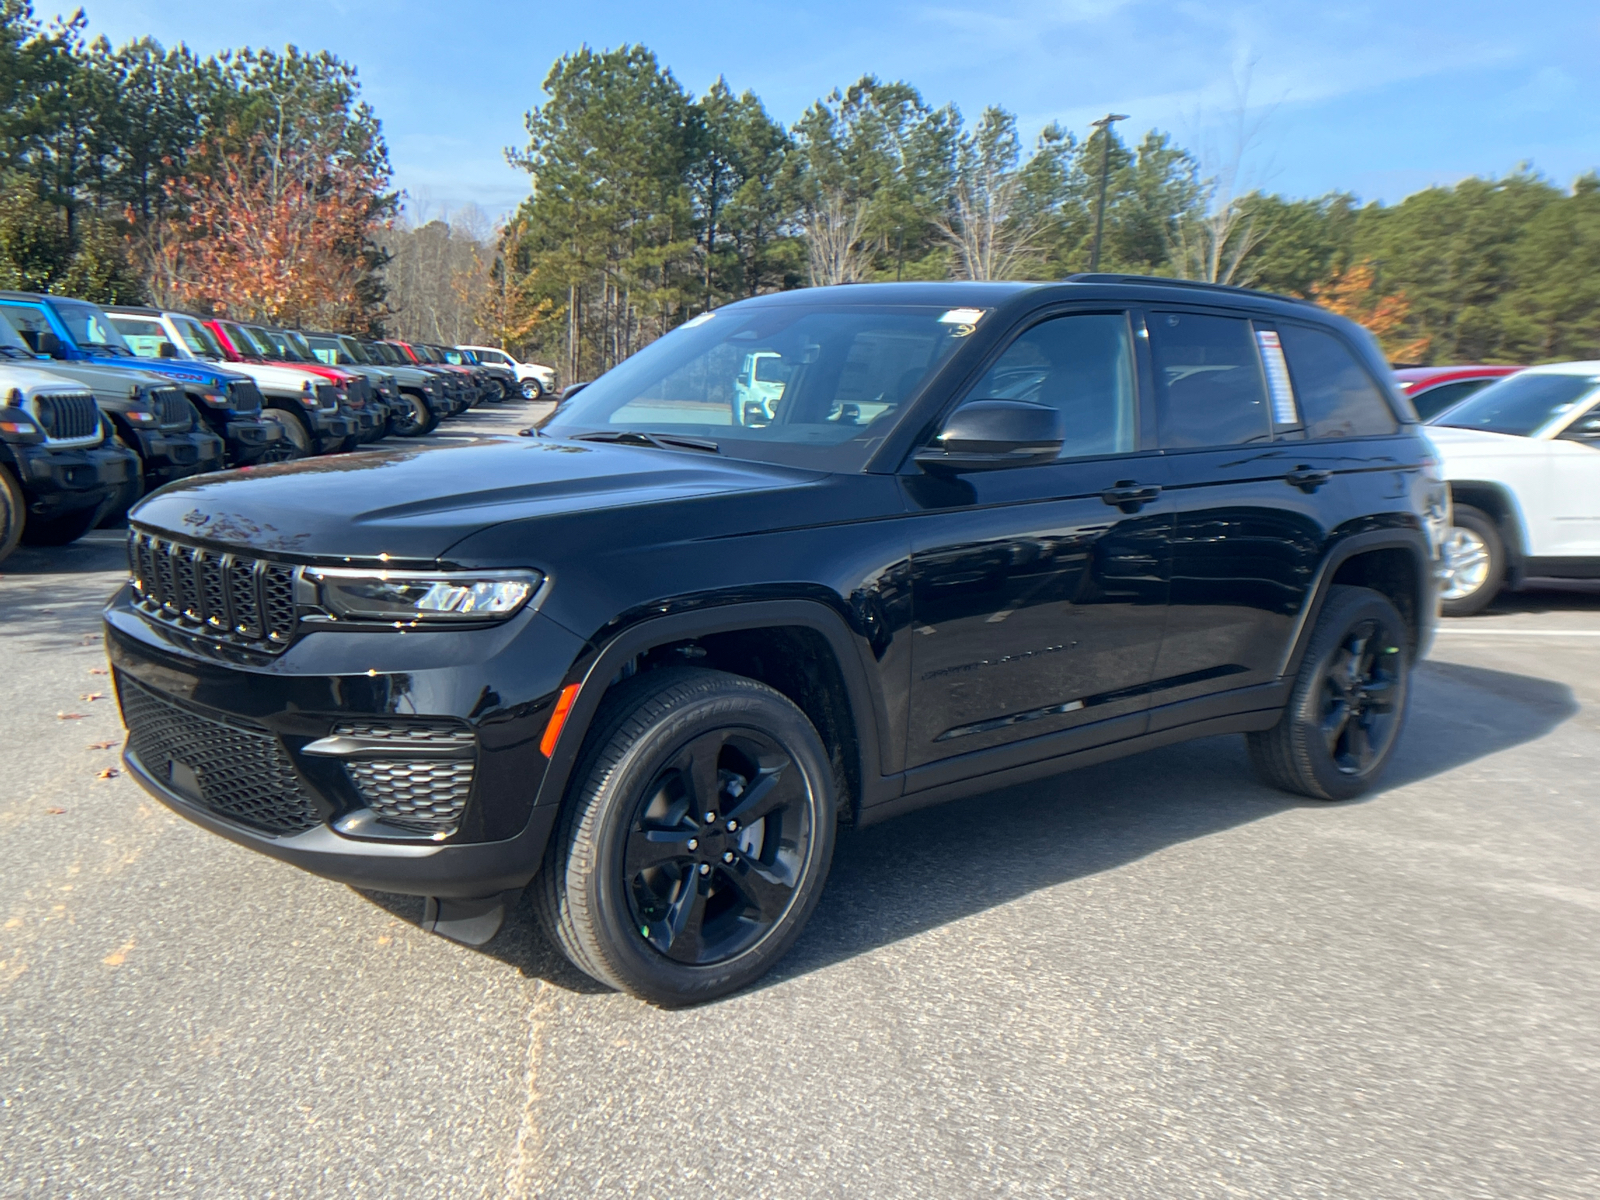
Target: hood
x=113 y=381
x=1476 y=443
x=32 y=380
x=180 y=370
x=415 y=503
x=269 y=377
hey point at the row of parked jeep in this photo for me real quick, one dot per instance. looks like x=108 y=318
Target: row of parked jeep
x=100 y=405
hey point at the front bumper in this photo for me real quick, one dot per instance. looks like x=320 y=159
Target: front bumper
x=169 y=456
x=499 y=683
x=58 y=481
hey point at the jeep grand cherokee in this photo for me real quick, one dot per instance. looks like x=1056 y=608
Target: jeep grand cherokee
x=651 y=657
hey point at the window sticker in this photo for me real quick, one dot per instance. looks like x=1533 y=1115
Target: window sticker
x=700 y=320
x=1284 y=410
x=965 y=320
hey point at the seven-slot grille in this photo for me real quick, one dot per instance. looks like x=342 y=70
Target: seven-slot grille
x=234 y=768
x=68 y=417
x=327 y=396
x=244 y=396
x=224 y=597
x=172 y=408
x=360 y=388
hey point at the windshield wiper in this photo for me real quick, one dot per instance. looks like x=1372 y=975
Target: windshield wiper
x=661 y=441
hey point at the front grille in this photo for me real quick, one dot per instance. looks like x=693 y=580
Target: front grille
x=233 y=768
x=359 y=389
x=230 y=598
x=327 y=396
x=172 y=408
x=244 y=396
x=67 y=417
x=426 y=795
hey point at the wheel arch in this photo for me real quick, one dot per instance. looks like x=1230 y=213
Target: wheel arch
x=1500 y=504
x=801 y=648
x=1395 y=563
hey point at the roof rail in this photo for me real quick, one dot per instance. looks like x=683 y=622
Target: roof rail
x=1164 y=281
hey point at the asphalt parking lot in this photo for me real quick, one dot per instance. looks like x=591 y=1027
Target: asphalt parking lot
x=1152 y=978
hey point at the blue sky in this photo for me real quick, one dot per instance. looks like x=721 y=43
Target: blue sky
x=1377 y=98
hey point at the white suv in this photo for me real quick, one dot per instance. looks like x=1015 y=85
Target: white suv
x=536 y=381
x=1522 y=457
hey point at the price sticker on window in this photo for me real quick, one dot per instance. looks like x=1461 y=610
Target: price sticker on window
x=1284 y=409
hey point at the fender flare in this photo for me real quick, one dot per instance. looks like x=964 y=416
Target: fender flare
x=1513 y=525
x=868 y=714
x=1410 y=540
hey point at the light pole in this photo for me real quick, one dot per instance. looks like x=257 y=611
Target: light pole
x=1104 y=125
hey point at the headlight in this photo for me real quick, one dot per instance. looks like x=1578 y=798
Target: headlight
x=18 y=426
x=426 y=597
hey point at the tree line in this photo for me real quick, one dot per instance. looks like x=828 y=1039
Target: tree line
x=256 y=184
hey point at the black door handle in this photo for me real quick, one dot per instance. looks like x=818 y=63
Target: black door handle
x=1129 y=496
x=1308 y=479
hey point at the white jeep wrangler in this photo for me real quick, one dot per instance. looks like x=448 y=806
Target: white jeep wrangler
x=1522 y=458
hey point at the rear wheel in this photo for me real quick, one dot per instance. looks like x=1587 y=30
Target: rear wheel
x=1474 y=562
x=696 y=839
x=295 y=441
x=13 y=513
x=1348 y=705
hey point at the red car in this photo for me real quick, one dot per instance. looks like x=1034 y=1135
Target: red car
x=1434 y=389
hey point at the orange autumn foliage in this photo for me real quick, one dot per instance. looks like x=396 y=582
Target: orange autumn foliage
x=1351 y=294
x=285 y=242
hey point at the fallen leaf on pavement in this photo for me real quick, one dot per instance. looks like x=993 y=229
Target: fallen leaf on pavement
x=55 y=812
x=101 y=745
x=98 y=671
x=70 y=716
x=109 y=773
x=92 y=696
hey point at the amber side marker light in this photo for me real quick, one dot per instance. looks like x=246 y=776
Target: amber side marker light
x=558 y=718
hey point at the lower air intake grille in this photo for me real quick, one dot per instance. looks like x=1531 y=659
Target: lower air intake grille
x=412 y=793
x=238 y=771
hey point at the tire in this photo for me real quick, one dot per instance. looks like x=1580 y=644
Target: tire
x=532 y=389
x=416 y=421
x=1474 y=563
x=1348 y=705
x=749 y=891
x=126 y=496
x=59 y=531
x=296 y=440
x=13 y=513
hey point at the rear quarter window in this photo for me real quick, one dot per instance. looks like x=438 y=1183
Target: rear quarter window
x=1338 y=397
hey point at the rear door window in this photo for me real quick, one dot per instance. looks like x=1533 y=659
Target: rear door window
x=1338 y=398
x=1211 y=390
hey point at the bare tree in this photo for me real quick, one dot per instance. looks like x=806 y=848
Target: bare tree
x=438 y=271
x=991 y=223
x=835 y=226
x=1214 y=245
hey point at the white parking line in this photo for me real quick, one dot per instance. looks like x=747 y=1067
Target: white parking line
x=1521 y=632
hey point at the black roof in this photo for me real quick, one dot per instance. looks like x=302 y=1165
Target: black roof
x=992 y=294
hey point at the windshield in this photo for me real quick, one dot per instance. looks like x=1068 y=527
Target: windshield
x=328 y=350
x=201 y=341
x=144 y=334
x=91 y=328
x=298 y=343
x=355 y=350
x=806 y=385
x=1519 y=405
x=244 y=341
x=11 y=343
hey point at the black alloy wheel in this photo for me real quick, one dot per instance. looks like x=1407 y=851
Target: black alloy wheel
x=412 y=419
x=696 y=838
x=1348 y=705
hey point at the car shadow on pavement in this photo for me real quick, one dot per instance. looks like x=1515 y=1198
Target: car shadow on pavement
x=936 y=866
x=50 y=598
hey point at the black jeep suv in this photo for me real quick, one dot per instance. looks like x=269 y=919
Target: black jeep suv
x=813 y=559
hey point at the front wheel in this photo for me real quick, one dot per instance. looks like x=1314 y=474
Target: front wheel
x=294 y=440
x=13 y=513
x=414 y=419
x=696 y=838
x=59 y=531
x=1345 y=713
x=532 y=389
x=1474 y=562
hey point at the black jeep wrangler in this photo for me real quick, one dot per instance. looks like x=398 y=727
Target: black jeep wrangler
x=650 y=658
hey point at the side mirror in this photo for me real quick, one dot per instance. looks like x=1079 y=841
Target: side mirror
x=988 y=435
x=50 y=344
x=571 y=390
x=167 y=350
x=1584 y=429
